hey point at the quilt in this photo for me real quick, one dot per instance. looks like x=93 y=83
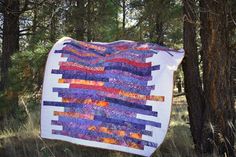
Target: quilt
x=115 y=95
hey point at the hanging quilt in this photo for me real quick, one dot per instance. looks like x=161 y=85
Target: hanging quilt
x=113 y=96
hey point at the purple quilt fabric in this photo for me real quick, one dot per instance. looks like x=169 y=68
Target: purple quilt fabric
x=113 y=96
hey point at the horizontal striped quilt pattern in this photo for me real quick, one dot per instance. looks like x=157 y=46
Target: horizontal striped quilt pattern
x=102 y=90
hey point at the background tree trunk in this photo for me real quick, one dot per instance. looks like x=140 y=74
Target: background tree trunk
x=89 y=20
x=219 y=112
x=159 y=31
x=10 y=42
x=81 y=13
x=123 y=17
x=52 y=23
x=192 y=80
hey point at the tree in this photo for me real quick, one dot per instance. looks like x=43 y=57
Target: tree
x=12 y=10
x=219 y=111
x=158 y=21
x=80 y=22
x=10 y=37
x=232 y=30
x=15 y=27
x=211 y=108
x=124 y=12
x=192 y=80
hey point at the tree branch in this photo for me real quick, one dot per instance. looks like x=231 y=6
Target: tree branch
x=23 y=30
x=23 y=34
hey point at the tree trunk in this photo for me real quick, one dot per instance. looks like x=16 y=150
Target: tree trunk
x=159 y=31
x=80 y=22
x=192 y=80
x=117 y=27
x=124 y=17
x=219 y=112
x=10 y=42
x=89 y=21
x=232 y=31
x=233 y=71
x=53 y=22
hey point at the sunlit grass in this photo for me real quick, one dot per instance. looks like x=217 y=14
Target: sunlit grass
x=7 y=133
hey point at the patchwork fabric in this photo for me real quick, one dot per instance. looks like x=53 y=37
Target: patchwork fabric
x=109 y=95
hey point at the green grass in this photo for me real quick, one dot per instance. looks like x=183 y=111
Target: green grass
x=26 y=142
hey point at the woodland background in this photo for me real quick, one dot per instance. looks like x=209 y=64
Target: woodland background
x=203 y=115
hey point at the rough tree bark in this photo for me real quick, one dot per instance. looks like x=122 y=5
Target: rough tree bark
x=192 y=80
x=10 y=41
x=211 y=109
x=232 y=30
x=219 y=112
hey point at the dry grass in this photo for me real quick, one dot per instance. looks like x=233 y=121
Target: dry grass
x=25 y=142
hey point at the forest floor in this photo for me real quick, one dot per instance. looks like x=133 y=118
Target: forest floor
x=26 y=142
